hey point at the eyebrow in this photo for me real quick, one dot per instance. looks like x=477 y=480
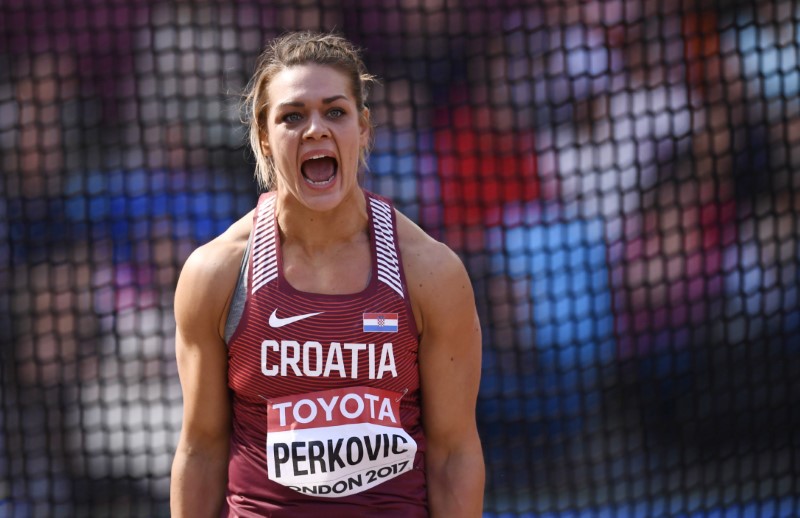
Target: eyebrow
x=327 y=100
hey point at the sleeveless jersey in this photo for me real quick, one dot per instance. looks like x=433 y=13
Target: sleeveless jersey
x=325 y=388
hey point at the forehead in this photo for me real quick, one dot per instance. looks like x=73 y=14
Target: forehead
x=307 y=83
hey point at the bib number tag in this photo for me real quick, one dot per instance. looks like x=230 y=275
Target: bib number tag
x=337 y=443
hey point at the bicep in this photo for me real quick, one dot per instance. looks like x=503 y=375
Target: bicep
x=201 y=355
x=203 y=375
x=450 y=363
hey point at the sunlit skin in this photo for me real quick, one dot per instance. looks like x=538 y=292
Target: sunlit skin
x=313 y=112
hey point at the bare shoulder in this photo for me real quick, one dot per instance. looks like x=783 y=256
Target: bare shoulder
x=424 y=256
x=209 y=275
x=435 y=275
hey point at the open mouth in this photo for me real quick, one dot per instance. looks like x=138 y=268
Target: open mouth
x=319 y=171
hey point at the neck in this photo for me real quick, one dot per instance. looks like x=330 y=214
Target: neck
x=312 y=229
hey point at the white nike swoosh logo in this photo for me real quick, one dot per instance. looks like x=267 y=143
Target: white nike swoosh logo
x=274 y=321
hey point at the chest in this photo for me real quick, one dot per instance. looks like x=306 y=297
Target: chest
x=339 y=271
x=291 y=343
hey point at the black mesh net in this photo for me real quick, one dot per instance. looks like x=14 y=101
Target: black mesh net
x=620 y=178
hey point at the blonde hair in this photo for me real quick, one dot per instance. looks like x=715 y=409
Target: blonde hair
x=300 y=48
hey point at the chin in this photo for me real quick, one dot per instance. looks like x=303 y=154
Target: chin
x=323 y=200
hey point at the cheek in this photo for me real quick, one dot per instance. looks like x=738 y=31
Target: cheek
x=281 y=142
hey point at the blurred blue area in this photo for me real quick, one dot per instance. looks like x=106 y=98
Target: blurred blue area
x=555 y=373
x=394 y=169
x=769 y=59
x=123 y=206
x=565 y=262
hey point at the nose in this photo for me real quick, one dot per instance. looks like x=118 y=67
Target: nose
x=317 y=127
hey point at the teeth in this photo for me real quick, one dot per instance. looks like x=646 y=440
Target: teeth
x=324 y=182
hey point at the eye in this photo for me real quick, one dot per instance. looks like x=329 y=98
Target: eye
x=335 y=113
x=292 y=117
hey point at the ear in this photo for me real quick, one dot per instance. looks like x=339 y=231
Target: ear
x=265 y=149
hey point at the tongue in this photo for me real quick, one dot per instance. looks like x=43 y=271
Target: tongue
x=319 y=169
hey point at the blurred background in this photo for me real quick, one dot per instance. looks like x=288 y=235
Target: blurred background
x=621 y=178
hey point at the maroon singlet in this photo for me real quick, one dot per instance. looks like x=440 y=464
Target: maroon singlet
x=325 y=389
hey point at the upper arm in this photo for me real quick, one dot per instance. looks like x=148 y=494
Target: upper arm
x=200 y=300
x=450 y=352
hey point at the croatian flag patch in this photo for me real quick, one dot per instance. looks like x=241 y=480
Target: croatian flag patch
x=380 y=322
